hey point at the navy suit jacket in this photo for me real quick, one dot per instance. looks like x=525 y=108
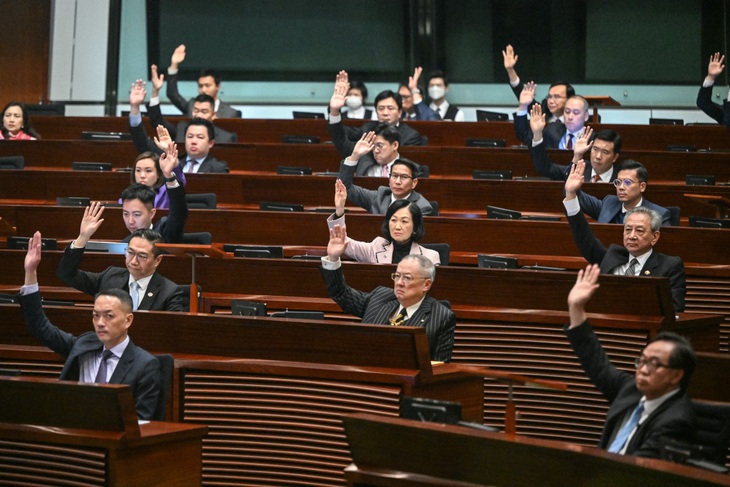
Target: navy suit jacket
x=719 y=113
x=376 y=201
x=551 y=136
x=186 y=106
x=378 y=306
x=658 y=265
x=544 y=166
x=136 y=367
x=162 y=294
x=609 y=210
x=672 y=419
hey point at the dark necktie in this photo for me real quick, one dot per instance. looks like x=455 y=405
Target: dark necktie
x=631 y=271
x=569 y=143
x=623 y=434
x=400 y=319
x=101 y=373
x=191 y=166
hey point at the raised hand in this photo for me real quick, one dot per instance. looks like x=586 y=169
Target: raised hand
x=582 y=143
x=537 y=121
x=137 y=95
x=715 y=67
x=163 y=139
x=32 y=259
x=340 y=198
x=363 y=146
x=585 y=287
x=178 y=56
x=169 y=160
x=574 y=181
x=90 y=223
x=528 y=95
x=337 y=244
x=510 y=58
x=342 y=86
x=157 y=80
x=413 y=80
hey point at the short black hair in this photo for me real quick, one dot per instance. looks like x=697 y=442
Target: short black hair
x=609 y=136
x=416 y=216
x=682 y=357
x=412 y=166
x=641 y=172
x=569 y=90
x=383 y=95
x=437 y=73
x=359 y=85
x=213 y=73
x=205 y=123
x=121 y=295
x=388 y=132
x=156 y=159
x=140 y=192
x=203 y=98
x=152 y=236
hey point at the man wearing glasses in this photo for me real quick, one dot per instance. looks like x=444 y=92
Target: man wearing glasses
x=637 y=256
x=406 y=303
x=148 y=289
x=630 y=186
x=646 y=407
x=402 y=174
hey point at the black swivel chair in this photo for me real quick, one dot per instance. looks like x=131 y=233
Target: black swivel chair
x=443 y=249
x=199 y=238
x=674 y=214
x=167 y=367
x=202 y=201
x=712 y=420
x=436 y=209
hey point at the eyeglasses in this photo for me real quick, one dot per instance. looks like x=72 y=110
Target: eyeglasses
x=378 y=145
x=402 y=177
x=625 y=182
x=651 y=364
x=140 y=256
x=407 y=278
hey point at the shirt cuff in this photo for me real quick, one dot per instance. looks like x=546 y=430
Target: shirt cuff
x=535 y=143
x=572 y=207
x=171 y=71
x=515 y=84
x=135 y=120
x=329 y=265
x=348 y=162
x=708 y=82
x=29 y=289
x=521 y=112
x=335 y=119
x=154 y=101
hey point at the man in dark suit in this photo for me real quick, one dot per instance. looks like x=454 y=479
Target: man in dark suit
x=209 y=83
x=648 y=407
x=106 y=355
x=407 y=303
x=719 y=113
x=402 y=179
x=140 y=277
x=388 y=107
x=630 y=186
x=138 y=211
x=637 y=256
x=604 y=145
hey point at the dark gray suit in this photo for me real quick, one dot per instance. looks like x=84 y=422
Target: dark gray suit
x=557 y=172
x=162 y=294
x=658 y=265
x=551 y=135
x=378 y=306
x=186 y=106
x=136 y=367
x=376 y=201
x=672 y=419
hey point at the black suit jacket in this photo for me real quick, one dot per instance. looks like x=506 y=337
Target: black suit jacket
x=672 y=419
x=211 y=165
x=658 y=265
x=136 y=367
x=172 y=226
x=717 y=112
x=178 y=132
x=378 y=306
x=551 y=136
x=161 y=295
x=186 y=106
x=557 y=172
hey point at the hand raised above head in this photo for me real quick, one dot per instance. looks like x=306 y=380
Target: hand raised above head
x=716 y=66
x=575 y=179
x=169 y=160
x=583 y=142
x=527 y=96
x=157 y=79
x=137 y=93
x=509 y=56
x=33 y=255
x=537 y=121
x=340 y=198
x=337 y=243
x=342 y=86
x=163 y=139
x=90 y=223
x=178 y=56
x=363 y=146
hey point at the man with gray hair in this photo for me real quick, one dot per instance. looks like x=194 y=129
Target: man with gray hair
x=637 y=256
x=406 y=303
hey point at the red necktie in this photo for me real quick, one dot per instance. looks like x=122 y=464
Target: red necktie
x=569 y=144
x=596 y=178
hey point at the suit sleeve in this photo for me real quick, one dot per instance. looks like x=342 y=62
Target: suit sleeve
x=174 y=226
x=590 y=205
x=68 y=272
x=41 y=328
x=544 y=166
x=522 y=129
x=348 y=299
x=360 y=196
x=176 y=301
x=141 y=141
x=589 y=246
x=410 y=136
x=147 y=387
x=677 y=283
x=443 y=343
x=425 y=112
x=156 y=118
x=339 y=138
x=174 y=95
x=710 y=108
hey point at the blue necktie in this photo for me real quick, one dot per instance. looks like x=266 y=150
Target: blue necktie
x=134 y=293
x=623 y=434
x=101 y=373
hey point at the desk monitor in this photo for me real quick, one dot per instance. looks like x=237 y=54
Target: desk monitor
x=300 y=139
x=430 y=410
x=501 y=175
x=82 y=201
x=274 y=251
x=89 y=135
x=486 y=143
x=275 y=206
x=487 y=116
x=240 y=307
x=12 y=162
x=496 y=262
x=299 y=315
x=21 y=243
x=502 y=213
x=294 y=170
x=108 y=247
x=91 y=166
x=297 y=115
x=699 y=180
x=666 y=121
x=706 y=222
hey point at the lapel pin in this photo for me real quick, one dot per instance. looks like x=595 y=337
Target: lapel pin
x=151 y=294
x=646 y=273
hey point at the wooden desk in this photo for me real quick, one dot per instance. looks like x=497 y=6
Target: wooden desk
x=86 y=434
x=395 y=452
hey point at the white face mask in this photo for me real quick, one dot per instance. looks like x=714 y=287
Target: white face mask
x=436 y=92
x=353 y=102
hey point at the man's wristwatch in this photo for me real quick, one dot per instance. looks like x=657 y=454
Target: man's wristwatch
x=171 y=179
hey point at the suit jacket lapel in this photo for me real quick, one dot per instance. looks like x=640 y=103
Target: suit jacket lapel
x=384 y=255
x=650 y=267
x=125 y=363
x=151 y=293
x=420 y=317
